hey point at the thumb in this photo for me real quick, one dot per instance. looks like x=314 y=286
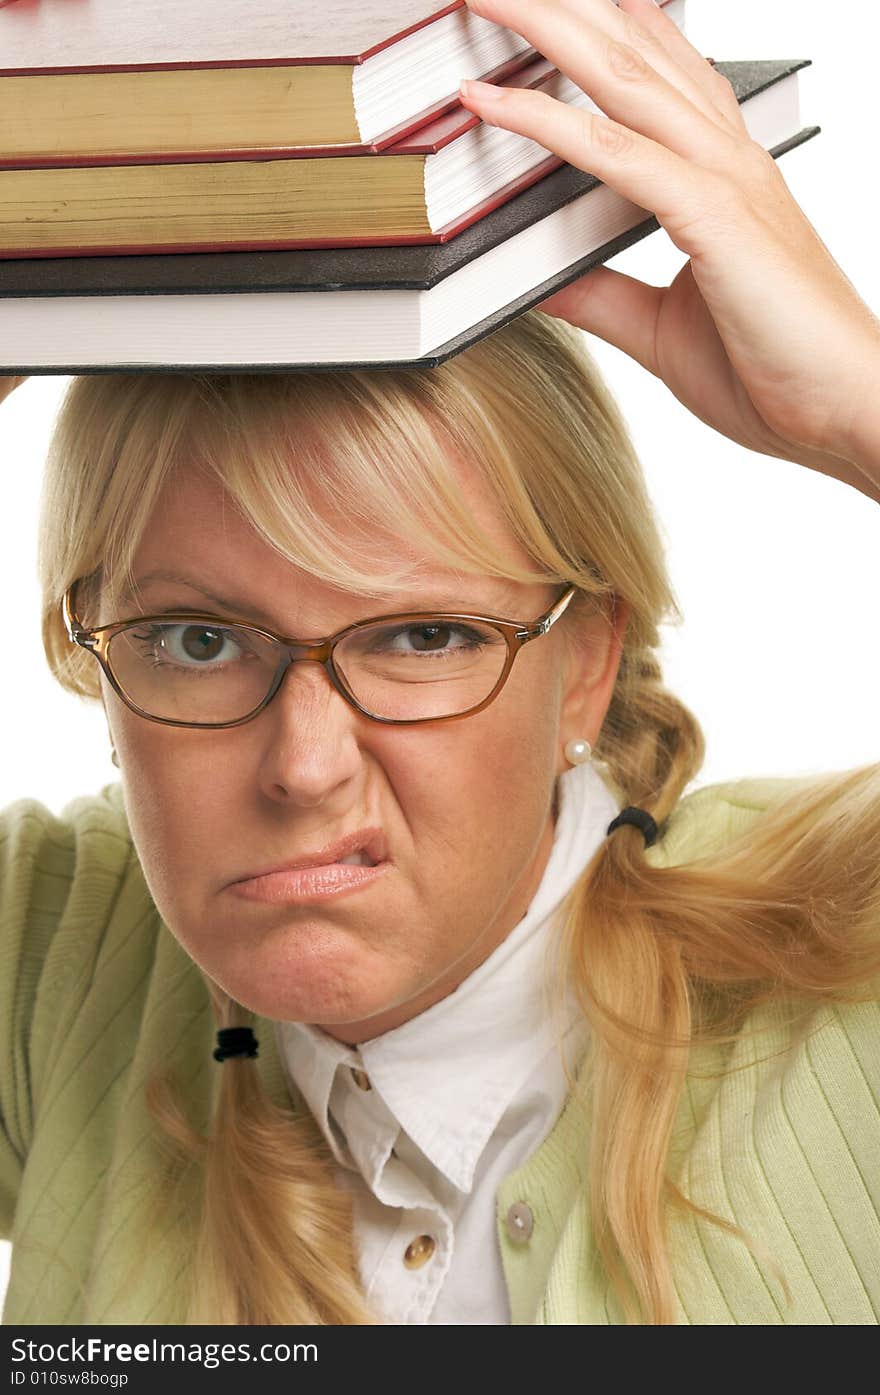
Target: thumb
x=614 y=307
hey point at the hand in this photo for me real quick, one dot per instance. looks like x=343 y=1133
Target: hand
x=760 y=335
x=7 y=385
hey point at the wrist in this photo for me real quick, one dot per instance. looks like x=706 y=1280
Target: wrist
x=863 y=446
x=851 y=449
x=864 y=449
x=858 y=442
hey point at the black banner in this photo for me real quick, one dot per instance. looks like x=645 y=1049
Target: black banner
x=267 y=1359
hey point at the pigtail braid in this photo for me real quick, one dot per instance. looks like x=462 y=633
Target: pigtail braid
x=664 y=958
x=274 y=1244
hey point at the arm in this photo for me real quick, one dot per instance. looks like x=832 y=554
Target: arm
x=761 y=335
x=860 y=467
x=865 y=456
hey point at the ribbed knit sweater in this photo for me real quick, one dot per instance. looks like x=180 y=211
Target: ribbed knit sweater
x=95 y=993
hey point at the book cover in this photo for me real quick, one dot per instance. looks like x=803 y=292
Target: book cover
x=179 y=77
x=349 y=307
x=428 y=187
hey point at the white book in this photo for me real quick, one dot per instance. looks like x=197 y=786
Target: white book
x=350 y=307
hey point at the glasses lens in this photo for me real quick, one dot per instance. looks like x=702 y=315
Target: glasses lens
x=202 y=673
x=416 y=670
x=194 y=672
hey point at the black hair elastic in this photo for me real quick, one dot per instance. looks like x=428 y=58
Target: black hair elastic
x=235 y=1041
x=640 y=818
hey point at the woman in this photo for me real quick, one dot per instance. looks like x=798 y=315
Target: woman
x=470 y=735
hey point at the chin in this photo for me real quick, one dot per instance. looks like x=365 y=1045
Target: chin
x=321 y=1004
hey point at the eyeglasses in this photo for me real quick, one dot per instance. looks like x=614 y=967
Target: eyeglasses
x=190 y=669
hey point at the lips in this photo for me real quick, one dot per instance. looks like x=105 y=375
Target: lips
x=366 y=848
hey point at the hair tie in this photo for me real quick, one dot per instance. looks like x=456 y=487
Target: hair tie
x=235 y=1041
x=640 y=818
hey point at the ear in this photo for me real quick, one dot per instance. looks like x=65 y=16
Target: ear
x=594 y=660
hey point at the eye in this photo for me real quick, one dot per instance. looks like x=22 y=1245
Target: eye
x=190 y=646
x=430 y=636
x=432 y=645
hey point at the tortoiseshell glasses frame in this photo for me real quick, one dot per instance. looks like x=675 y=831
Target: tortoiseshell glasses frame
x=516 y=633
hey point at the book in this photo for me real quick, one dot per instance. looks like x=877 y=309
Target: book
x=345 y=307
x=427 y=187
x=167 y=77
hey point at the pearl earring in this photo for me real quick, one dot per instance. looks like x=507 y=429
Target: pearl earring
x=578 y=751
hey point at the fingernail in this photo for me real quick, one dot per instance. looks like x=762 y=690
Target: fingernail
x=479 y=91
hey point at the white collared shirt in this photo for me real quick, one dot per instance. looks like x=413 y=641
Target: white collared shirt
x=426 y=1120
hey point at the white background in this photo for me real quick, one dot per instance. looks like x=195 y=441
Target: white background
x=776 y=568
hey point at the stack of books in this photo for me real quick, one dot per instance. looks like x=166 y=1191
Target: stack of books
x=253 y=184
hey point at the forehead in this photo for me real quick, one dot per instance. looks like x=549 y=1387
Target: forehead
x=198 y=530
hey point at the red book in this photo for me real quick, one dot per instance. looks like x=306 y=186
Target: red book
x=243 y=311
x=425 y=187
x=116 y=79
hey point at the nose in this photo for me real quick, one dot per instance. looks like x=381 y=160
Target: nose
x=311 y=737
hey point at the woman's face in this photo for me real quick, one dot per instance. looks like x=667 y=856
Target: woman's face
x=465 y=807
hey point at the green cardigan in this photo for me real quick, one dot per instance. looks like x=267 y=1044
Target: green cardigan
x=95 y=992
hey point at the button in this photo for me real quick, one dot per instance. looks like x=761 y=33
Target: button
x=419 y=1251
x=361 y=1079
x=520 y=1221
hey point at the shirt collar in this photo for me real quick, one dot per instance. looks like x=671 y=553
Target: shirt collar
x=448 y=1075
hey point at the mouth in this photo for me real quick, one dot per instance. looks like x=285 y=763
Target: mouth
x=341 y=870
x=368 y=847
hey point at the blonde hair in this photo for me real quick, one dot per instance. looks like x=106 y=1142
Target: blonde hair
x=662 y=957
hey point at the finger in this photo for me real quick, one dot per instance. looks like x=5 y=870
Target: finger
x=644 y=26
x=656 y=22
x=614 y=307
x=681 y=194
x=614 y=24
x=617 y=78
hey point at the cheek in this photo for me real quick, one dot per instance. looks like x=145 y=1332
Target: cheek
x=482 y=784
x=179 y=801
x=465 y=804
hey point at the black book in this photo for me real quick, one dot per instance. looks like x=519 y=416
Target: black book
x=363 y=307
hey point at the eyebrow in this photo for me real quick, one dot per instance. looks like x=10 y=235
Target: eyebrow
x=433 y=603
x=178 y=579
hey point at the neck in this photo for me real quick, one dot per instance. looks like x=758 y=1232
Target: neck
x=511 y=913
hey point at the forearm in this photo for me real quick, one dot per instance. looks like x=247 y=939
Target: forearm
x=865 y=452
x=854 y=458
x=860 y=454
x=863 y=474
